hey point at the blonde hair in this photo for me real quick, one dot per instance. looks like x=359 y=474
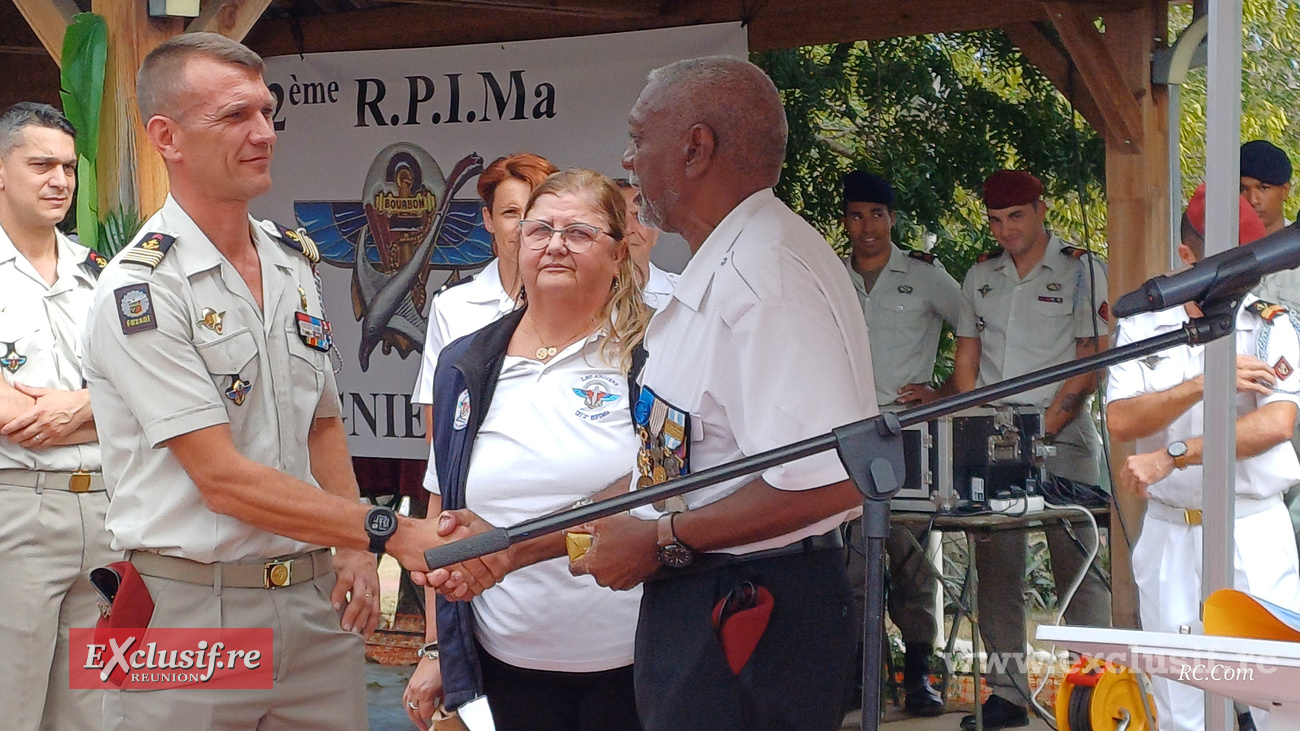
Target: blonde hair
x=625 y=312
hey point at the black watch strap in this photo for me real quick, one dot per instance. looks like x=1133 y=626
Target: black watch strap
x=381 y=524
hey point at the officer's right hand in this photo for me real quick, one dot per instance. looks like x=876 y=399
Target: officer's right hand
x=468 y=579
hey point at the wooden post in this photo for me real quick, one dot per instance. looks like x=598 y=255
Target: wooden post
x=1138 y=201
x=131 y=174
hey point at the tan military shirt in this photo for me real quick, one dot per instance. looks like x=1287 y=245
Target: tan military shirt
x=40 y=341
x=182 y=347
x=1028 y=324
x=905 y=311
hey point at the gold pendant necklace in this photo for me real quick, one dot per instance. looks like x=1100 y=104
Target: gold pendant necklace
x=545 y=352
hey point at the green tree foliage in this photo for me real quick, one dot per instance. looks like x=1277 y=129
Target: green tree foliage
x=936 y=115
x=85 y=51
x=1270 y=86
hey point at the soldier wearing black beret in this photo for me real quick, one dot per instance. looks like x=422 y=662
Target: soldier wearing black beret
x=1266 y=181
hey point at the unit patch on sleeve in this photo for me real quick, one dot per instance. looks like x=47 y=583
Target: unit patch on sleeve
x=135 y=308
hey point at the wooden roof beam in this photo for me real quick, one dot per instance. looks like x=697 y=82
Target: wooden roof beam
x=49 y=19
x=598 y=8
x=230 y=18
x=1046 y=54
x=1100 y=72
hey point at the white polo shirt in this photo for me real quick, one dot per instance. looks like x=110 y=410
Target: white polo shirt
x=762 y=344
x=555 y=433
x=1261 y=476
x=456 y=312
x=40 y=341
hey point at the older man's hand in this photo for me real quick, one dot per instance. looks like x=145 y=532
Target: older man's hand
x=624 y=552
x=468 y=579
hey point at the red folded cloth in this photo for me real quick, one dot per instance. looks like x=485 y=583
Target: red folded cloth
x=740 y=620
x=125 y=604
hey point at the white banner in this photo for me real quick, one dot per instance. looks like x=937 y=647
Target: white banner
x=378 y=158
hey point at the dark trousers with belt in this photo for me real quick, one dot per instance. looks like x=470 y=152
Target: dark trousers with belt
x=793 y=681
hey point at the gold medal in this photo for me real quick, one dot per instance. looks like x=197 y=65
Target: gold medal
x=643 y=462
x=644 y=481
x=660 y=474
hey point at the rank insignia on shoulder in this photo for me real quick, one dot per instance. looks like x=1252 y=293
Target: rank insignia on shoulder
x=313 y=331
x=299 y=241
x=990 y=255
x=12 y=359
x=1074 y=251
x=1266 y=310
x=924 y=256
x=95 y=262
x=239 y=388
x=135 y=309
x=150 y=250
x=449 y=283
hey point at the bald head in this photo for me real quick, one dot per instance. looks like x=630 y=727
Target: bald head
x=736 y=100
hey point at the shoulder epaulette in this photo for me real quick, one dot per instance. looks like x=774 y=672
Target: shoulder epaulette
x=1266 y=310
x=924 y=256
x=449 y=284
x=149 y=250
x=990 y=255
x=299 y=241
x=94 y=262
x=1074 y=251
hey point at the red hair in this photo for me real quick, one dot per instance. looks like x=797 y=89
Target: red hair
x=525 y=166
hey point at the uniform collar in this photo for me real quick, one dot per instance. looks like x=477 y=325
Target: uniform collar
x=70 y=257
x=657 y=280
x=897 y=259
x=492 y=290
x=716 y=249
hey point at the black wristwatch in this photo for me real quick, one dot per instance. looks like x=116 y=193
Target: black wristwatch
x=381 y=524
x=672 y=552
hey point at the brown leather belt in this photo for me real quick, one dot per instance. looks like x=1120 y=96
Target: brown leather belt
x=271 y=574
x=78 y=481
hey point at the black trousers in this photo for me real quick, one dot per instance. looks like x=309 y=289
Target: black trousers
x=795 y=678
x=543 y=700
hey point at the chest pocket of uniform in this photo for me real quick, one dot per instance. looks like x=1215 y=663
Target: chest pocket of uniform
x=307 y=365
x=25 y=349
x=231 y=363
x=899 y=310
x=1053 y=304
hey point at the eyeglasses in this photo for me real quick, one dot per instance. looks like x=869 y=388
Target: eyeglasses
x=579 y=237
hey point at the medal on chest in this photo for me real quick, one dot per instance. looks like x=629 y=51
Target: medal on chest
x=313 y=331
x=238 y=389
x=12 y=359
x=663 y=453
x=212 y=319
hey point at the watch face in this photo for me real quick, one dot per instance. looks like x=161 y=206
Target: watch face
x=675 y=556
x=381 y=522
x=1177 y=449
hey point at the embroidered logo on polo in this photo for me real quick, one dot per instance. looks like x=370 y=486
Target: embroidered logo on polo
x=12 y=359
x=212 y=319
x=597 y=393
x=135 y=308
x=313 y=331
x=664 y=453
x=461 y=419
x=238 y=389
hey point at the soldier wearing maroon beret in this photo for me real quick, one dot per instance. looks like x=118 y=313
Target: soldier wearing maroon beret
x=1033 y=303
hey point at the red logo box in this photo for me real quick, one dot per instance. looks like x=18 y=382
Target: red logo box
x=161 y=658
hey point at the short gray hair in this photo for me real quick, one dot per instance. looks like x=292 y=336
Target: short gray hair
x=160 y=74
x=737 y=101
x=29 y=114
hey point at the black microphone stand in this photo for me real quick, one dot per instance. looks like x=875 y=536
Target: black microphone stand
x=872 y=453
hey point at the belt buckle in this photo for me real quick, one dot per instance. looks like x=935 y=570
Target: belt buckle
x=1192 y=516
x=79 y=482
x=277 y=574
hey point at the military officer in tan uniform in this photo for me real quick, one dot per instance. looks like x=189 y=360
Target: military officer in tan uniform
x=52 y=498
x=906 y=298
x=1034 y=303
x=224 y=452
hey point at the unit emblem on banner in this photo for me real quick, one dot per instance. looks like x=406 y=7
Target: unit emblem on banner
x=407 y=222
